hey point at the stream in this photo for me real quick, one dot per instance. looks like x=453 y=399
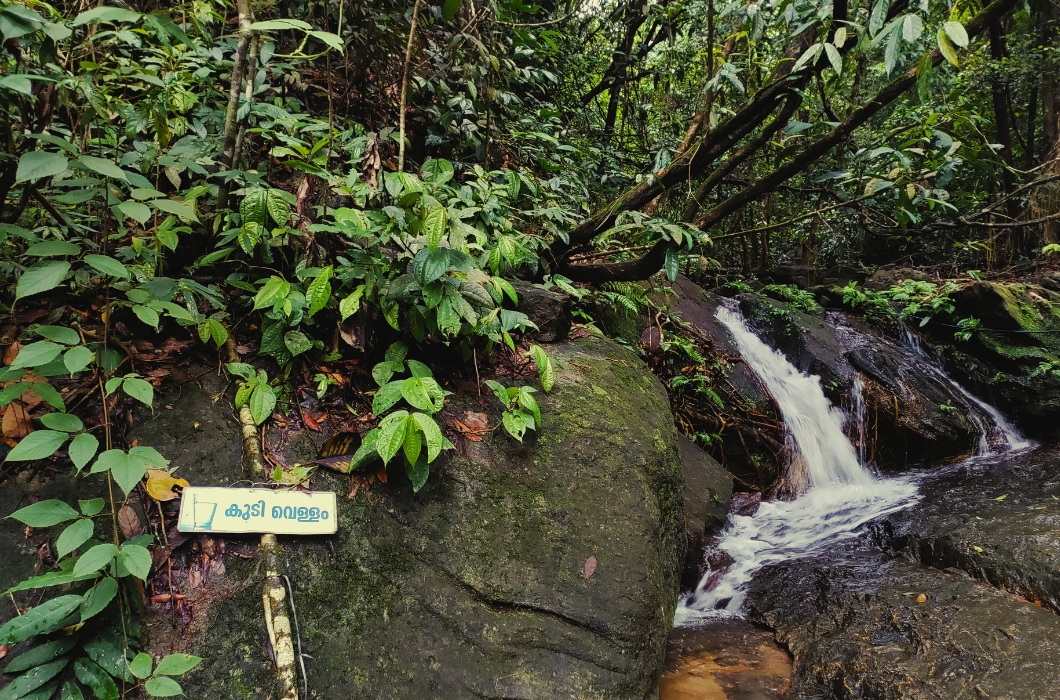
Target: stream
x=832 y=494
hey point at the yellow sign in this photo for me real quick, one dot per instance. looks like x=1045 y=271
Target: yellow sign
x=211 y=509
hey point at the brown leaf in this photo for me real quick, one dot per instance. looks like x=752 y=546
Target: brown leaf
x=381 y=475
x=309 y=420
x=16 y=422
x=11 y=353
x=160 y=484
x=129 y=522
x=921 y=598
x=477 y=421
x=467 y=432
x=4 y=649
x=590 y=567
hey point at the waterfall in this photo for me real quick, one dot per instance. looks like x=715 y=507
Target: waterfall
x=841 y=495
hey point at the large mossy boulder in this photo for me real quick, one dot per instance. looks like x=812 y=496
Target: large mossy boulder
x=478 y=586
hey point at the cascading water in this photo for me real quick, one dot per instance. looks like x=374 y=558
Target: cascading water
x=841 y=494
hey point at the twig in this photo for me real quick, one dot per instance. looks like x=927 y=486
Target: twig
x=405 y=87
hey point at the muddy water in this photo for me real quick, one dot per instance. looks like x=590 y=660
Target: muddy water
x=724 y=660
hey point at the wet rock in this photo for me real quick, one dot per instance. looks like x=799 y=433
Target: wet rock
x=745 y=503
x=475 y=586
x=708 y=488
x=548 y=308
x=887 y=277
x=725 y=660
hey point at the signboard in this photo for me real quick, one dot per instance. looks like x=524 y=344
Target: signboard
x=211 y=509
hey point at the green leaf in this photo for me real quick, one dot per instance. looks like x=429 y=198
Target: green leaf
x=98 y=598
x=436 y=442
x=47 y=249
x=98 y=680
x=163 y=687
x=383 y=371
x=276 y=205
x=672 y=264
x=527 y=401
x=34 y=165
x=366 y=453
x=392 y=431
x=77 y=358
x=878 y=16
x=513 y=424
x=413 y=442
x=396 y=353
x=350 y=305
x=172 y=207
x=414 y=391
x=947 y=48
x=428 y=265
x=438 y=170
x=47 y=392
x=834 y=58
x=890 y=54
x=74 y=536
x=418 y=369
x=105 y=14
x=126 y=469
x=140 y=213
x=434 y=227
x=280 y=24
x=139 y=389
x=41 y=654
x=41 y=619
x=37 y=445
x=449 y=9
x=177 y=664
x=387 y=395
x=297 y=342
x=331 y=40
x=141 y=665
x=262 y=402
x=71 y=692
x=103 y=166
x=13 y=392
x=63 y=421
x=107 y=265
x=147 y=315
x=460 y=305
x=52 y=578
x=418 y=473
x=44 y=513
x=33 y=679
x=82 y=449
x=136 y=560
x=95 y=559
x=36 y=354
x=42 y=277
x=66 y=336
x=957 y=33
x=319 y=290
x=275 y=288
x=912 y=27
x=91 y=507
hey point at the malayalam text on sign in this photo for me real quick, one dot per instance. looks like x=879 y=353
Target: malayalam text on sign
x=234 y=510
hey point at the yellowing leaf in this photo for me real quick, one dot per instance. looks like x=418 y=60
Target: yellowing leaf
x=160 y=484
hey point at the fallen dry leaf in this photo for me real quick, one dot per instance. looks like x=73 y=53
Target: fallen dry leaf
x=590 y=567
x=11 y=353
x=160 y=484
x=381 y=475
x=474 y=425
x=4 y=649
x=16 y=422
x=921 y=598
x=129 y=522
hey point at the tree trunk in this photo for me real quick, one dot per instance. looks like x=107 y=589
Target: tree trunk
x=1004 y=132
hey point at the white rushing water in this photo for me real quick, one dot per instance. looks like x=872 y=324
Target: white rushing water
x=838 y=495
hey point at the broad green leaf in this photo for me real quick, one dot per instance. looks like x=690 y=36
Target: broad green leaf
x=177 y=664
x=13 y=392
x=434 y=226
x=262 y=402
x=147 y=315
x=25 y=684
x=63 y=421
x=418 y=473
x=275 y=288
x=34 y=165
x=413 y=443
x=438 y=170
x=98 y=598
x=527 y=401
x=48 y=249
x=95 y=559
x=74 y=536
x=350 y=305
x=71 y=692
x=47 y=392
x=890 y=54
x=396 y=353
x=280 y=24
x=82 y=449
x=514 y=425
x=91 y=507
x=139 y=389
x=98 y=680
x=878 y=16
x=40 y=619
x=137 y=211
x=66 y=336
x=127 y=469
x=36 y=354
x=107 y=265
x=331 y=40
x=366 y=453
x=672 y=264
x=912 y=27
x=414 y=391
x=957 y=33
x=383 y=371
x=37 y=445
x=387 y=395
x=276 y=205
x=319 y=290
x=163 y=687
x=48 y=580
x=108 y=651
x=392 y=431
x=44 y=513
x=297 y=342
x=42 y=277
x=947 y=48
x=461 y=306
x=436 y=442
x=418 y=369
x=136 y=560
x=103 y=166
x=141 y=665
x=171 y=207
x=41 y=654
x=834 y=58
x=105 y=14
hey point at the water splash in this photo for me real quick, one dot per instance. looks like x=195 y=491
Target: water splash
x=841 y=494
